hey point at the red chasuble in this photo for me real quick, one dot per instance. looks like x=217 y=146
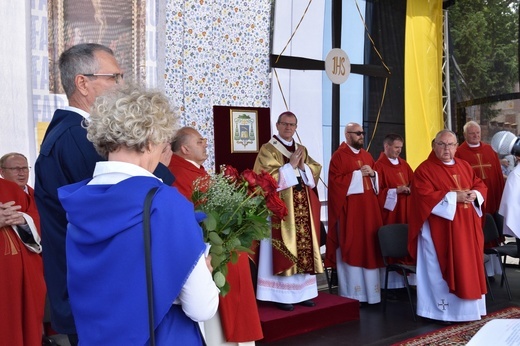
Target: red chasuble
x=486 y=165
x=22 y=292
x=238 y=310
x=185 y=174
x=390 y=177
x=458 y=243
x=355 y=219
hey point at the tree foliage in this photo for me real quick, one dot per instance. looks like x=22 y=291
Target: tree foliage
x=484 y=34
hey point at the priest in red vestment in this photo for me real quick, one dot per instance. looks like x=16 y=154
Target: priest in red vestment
x=238 y=312
x=189 y=153
x=15 y=167
x=22 y=289
x=354 y=219
x=445 y=235
x=486 y=164
x=395 y=176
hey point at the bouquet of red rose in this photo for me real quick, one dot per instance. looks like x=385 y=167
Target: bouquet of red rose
x=237 y=207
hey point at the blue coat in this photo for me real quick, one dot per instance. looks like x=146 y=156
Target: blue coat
x=66 y=157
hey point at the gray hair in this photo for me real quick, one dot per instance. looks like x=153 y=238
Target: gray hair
x=133 y=117
x=469 y=124
x=76 y=60
x=181 y=137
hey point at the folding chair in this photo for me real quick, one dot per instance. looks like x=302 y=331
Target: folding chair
x=393 y=241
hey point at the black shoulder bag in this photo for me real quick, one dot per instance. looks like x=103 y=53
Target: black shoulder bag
x=148 y=261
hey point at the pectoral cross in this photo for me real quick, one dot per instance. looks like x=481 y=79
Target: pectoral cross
x=481 y=166
x=365 y=181
x=458 y=186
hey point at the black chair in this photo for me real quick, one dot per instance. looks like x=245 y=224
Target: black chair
x=502 y=251
x=393 y=241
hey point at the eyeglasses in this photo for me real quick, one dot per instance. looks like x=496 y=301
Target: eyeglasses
x=287 y=124
x=18 y=169
x=117 y=76
x=446 y=145
x=357 y=133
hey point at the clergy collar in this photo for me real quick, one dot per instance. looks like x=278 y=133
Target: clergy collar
x=451 y=163
x=284 y=141
x=194 y=163
x=356 y=151
x=394 y=162
x=473 y=145
x=77 y=110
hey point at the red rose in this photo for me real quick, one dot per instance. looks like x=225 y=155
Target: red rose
x=250 y=177
x=276 y=205
x=266 y=182
x=231 y=173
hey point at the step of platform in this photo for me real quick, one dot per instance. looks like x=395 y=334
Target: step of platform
x=329 y=310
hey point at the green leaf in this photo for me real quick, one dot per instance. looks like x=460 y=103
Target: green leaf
x=234 y=257
x=219 y=278
x=245 y=249
x=216 y=249
x=216 y=260
x=225 y=289
x=214 y=238
x=210 y=223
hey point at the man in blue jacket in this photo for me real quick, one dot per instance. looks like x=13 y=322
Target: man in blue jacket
x=66 y=157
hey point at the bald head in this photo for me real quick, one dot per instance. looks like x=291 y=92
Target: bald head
x=354 y=135
x=189 y=144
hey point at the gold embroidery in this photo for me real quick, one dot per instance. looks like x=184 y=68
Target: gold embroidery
x=481 y=166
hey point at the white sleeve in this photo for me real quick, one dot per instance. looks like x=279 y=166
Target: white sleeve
x=199 y=295
x=287 y=177
x=307 y=177
x=391 y=199
x=447 y=206
x=356 y=185
x=35 y=247
x=480 y=200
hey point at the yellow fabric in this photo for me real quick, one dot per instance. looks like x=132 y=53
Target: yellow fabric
x=270 y=159
x=423 y=78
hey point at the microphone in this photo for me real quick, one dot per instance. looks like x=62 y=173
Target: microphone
x=505 y=143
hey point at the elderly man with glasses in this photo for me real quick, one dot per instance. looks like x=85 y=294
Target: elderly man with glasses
x=15 y=167
x=446 y=235
x=354 y=219
x=66 y=156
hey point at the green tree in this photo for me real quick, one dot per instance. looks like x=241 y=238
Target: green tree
x=484 y=34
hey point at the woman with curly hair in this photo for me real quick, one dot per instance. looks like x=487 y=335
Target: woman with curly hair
x=105 y=250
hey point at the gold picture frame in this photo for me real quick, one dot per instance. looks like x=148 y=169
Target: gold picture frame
x=117 y=24
x=244 y=130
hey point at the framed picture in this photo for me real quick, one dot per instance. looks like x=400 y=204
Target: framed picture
x=244 y=131
x=117 y=24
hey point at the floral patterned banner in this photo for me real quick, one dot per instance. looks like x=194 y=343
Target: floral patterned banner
x=216 y=53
